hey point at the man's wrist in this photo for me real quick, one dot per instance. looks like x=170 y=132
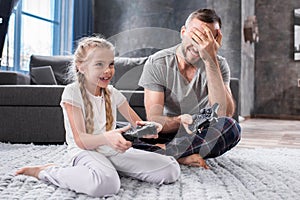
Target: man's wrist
x=171 y=124
x=211 y=64
x=210 y=58
x=177 y=119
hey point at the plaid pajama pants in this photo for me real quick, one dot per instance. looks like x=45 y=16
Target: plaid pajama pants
x=209 y=142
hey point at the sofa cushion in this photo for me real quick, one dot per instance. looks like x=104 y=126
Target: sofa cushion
x=42 y=76
x=128 y=72
x=59 y=65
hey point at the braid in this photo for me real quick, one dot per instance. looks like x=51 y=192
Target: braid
x=81 y=57
x=109 y=116
x=89 y=115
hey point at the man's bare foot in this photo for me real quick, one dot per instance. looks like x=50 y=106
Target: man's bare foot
x=32 y=170
x=194 y=160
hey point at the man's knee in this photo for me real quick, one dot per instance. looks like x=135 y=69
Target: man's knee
x=230 y=129
x=222 y=137
x=234 y=131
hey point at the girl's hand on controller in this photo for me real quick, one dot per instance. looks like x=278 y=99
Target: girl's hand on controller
x=157 y=125
x=115 y=139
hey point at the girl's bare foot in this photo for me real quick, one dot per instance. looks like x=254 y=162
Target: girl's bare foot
x=32 y=170
x=194 y=160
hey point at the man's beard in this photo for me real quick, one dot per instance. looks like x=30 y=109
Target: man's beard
x=188 y=61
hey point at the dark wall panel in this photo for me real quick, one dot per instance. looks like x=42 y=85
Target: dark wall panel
x=118 y=18
x=276 y=73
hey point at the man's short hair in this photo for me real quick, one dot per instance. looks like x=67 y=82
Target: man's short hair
x=205 y=15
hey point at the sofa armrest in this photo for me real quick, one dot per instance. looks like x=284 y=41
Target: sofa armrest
x=31 y=114
x=13 y=78
x=136 y=102
x=235 y=90
x=30 y=95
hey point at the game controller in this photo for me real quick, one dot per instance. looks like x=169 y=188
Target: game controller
x=139 y=132
x=206 y=117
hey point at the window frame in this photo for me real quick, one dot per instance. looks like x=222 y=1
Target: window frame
x=59 y=43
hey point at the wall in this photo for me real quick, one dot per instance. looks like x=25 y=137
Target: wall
x=139 y=24
x=276 y=73
x=231 y=26
x=247 y=66
x=125 y=21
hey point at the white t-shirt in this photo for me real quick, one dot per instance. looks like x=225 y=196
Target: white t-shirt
x=72 y=95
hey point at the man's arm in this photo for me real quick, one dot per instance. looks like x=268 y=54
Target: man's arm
x=218 y=92
x=154 y=105
x=230 y=106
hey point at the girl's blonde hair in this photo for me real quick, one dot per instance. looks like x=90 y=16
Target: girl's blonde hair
x=85 y=47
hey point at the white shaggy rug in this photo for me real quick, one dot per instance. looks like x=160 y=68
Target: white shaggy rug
x=238 y=174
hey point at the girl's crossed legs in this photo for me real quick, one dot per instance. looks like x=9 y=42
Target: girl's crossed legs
x=94 y=174
x=147 y=166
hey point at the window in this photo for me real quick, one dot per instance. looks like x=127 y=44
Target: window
x=36 y=27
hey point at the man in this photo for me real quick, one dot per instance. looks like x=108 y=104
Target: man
x=181 y=80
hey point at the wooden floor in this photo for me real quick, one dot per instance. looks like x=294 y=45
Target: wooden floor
x=270 y=133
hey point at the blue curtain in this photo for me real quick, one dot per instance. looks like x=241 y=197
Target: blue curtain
x=83 y=19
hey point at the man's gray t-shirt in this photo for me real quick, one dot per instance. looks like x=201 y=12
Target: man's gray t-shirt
x=161 y=74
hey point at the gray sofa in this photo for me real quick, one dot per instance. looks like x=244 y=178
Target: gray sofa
x=13 y=78
x=32 y=114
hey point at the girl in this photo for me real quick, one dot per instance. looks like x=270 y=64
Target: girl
x=98 y=150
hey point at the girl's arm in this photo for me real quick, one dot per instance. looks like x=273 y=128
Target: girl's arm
x=86 y=141
x=128 y=113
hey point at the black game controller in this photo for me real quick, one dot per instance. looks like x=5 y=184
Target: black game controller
x=139 y=132
x=206 y=117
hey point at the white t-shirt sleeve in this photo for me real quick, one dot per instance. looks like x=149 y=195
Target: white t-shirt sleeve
x=225 y=70
x=72 y=95
x=153 y=76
